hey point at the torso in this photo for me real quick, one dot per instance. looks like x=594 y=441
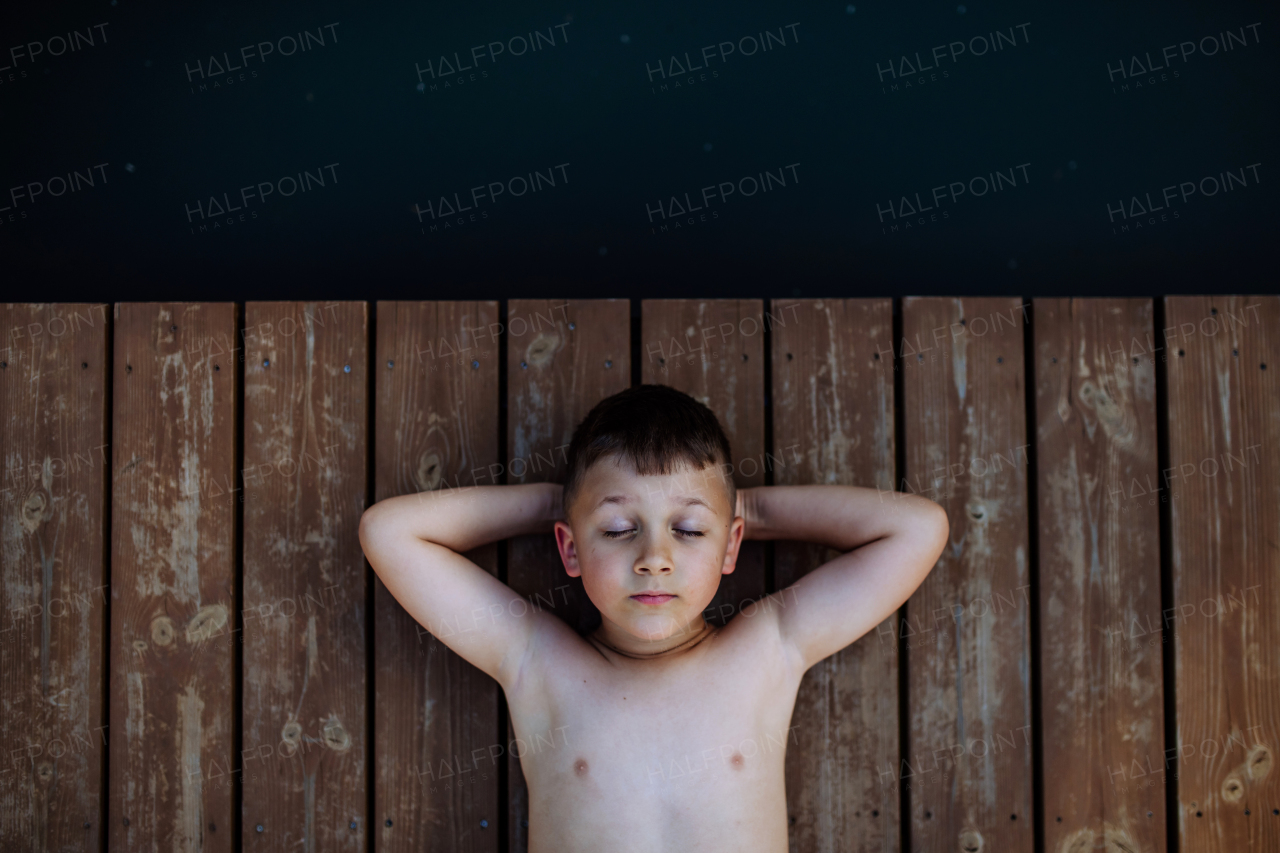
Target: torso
x=654 y=755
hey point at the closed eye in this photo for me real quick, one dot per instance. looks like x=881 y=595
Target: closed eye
x=618 y=534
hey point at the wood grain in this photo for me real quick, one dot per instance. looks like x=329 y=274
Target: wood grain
x=305 y=737
x=1099 y=557
x=1223 y=353
x=436 y=428
x=713 y=350
x=833 y=422
x=969 y=761
x=53 y=431
x=563 y=357
x=173 y=578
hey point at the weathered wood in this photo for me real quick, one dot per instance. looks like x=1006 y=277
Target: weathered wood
x=436 y=379
x=173 y=578
x=713 y=350
x=304 y=748
x=563 y=357
x=1099 y=558
x=833 y=422
x=1223 y=353
x=53 y=431
x=969 y=761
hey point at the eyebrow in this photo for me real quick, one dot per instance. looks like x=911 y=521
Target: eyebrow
x=626 y=499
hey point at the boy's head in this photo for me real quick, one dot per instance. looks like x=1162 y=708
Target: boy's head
x=649 y=504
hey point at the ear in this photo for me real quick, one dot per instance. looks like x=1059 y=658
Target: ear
x=736 y=530
x=568 y=549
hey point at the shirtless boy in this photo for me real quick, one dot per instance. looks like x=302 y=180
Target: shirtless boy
x=649 y=519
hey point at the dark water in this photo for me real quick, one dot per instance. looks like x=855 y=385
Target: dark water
x=229 y=151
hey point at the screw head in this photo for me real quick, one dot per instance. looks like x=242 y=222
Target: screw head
x=259 y=827
x=266 y=362
x=475 y=364
x=524 y=365
x=608 y=363
x=346 y=368
x=390 y=364
x=484 y=824
x=388 y=821
x=572 y=326
x=352 y=824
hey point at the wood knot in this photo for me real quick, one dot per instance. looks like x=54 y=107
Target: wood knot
x=430 y=471
x=162 y=631
x=44 y=772
x=971 y=841
x=291 y=734
x=580 y=767
x=335 y=735
x=34 y=511
x=737 y=760
x=541 y=349
x=1259 y=762
x=1232 y=789
x=208 y=622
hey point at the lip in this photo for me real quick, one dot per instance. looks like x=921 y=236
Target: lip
x=653 y=598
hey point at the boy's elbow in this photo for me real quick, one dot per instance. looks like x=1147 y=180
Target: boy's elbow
x=939 y=525
x=368 y=520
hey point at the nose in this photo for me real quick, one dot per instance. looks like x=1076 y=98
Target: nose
x=655 y=558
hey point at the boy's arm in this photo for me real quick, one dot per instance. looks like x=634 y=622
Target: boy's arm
x=892 y=541
x=415 y=542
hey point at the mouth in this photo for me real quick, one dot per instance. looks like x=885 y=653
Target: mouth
x=653 y=597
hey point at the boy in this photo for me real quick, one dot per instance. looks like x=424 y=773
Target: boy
x=649 y=519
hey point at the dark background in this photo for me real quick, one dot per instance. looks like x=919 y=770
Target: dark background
x=817 y=101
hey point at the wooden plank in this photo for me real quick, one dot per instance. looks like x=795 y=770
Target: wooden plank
x=833 y=422
x=173 y=578
x=53 y=431
x=713 y=350
x=563 y=357
x=436 y=428
x=969 y=761
x=1099 y=557
x=304 y=742
x=1223 y=353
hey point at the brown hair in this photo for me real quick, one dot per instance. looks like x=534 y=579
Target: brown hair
x=656 y=427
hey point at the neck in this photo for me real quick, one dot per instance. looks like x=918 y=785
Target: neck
x=622 y=643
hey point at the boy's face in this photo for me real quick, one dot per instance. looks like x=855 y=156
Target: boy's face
x=627 y=534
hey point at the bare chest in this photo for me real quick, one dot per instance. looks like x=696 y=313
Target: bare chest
x=657 y=753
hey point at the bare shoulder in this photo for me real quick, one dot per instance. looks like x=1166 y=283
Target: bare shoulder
x=754 y=635
x=554 y=650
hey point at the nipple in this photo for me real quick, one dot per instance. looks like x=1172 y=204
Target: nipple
x=580 y=767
